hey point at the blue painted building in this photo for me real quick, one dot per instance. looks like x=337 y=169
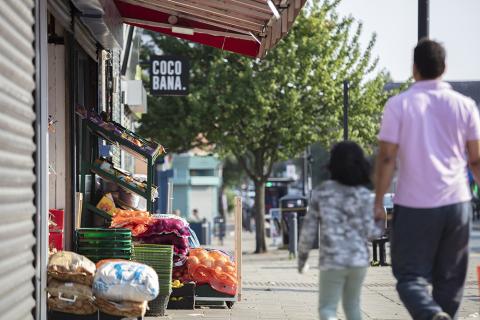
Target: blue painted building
x=196 y=181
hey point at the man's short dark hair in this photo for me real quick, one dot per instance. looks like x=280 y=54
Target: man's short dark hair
x=429 y=58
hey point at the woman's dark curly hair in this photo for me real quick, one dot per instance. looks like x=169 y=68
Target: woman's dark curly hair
x=348 y=164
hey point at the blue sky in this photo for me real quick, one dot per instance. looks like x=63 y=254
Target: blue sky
x=455 y=23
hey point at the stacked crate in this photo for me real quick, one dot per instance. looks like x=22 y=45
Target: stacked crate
x=97 y=243
x=160 y=258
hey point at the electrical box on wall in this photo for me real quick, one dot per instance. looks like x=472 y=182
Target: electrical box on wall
x=134 y=95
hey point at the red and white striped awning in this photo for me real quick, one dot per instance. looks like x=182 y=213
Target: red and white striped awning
x=247 y=27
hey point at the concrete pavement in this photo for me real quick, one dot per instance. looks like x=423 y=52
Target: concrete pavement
x=274 y=290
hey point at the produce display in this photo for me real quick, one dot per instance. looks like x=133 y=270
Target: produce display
x=157 y=229
x=163 y=248
x=69 y=284
x=213 y=267
x=199 y=265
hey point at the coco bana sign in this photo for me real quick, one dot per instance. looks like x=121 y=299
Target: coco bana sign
x=169 y=75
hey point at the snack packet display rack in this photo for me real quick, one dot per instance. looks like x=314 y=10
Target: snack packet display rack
x=93 y=131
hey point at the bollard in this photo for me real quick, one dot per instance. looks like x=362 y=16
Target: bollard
x=219 y=228
x=274 y=232
x=170 y=198
x=223 y=230
x=293 y=236
x=205 y=232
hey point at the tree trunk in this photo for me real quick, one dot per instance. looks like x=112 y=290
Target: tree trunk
x=261 y=244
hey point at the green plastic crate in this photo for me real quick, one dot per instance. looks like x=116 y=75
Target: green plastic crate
x=98 y=258
x=103 y=234
x=106 y=243
x=100 y=243
x=160 y=258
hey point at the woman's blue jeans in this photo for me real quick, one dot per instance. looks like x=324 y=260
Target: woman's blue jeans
x=345 y=284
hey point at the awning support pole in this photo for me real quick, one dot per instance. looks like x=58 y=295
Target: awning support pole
x=238 y=245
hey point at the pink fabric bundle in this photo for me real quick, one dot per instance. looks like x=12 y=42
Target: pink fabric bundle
x=170 y=230
x=162 y=225
x=180 y=244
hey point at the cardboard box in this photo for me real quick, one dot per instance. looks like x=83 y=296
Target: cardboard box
x=56 y=219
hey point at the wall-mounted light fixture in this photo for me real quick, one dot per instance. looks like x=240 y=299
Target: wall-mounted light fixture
x=181 y=30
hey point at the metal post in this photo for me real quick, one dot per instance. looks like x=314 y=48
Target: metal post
x=304 y=173
x=205 y=233
x=309 y=171
x=170 y=198
x=221 y=229
x=423 y=19
x=41 y=160
x=345 y=109
x=128 y=49
x=273 y=230
x=293 y=236
x=238 y=245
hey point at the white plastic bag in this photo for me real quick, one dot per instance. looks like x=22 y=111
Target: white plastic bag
x=125 y=281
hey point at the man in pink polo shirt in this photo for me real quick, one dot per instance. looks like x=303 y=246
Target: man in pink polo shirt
x=431 y=134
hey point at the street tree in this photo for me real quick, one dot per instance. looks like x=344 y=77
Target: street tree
x=264 y=111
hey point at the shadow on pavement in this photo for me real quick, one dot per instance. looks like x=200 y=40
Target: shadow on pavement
x=280 y=290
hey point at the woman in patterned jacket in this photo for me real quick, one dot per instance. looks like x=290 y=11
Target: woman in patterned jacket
x=341 y=211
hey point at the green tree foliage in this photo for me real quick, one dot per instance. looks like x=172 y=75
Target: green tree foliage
x=263 y=111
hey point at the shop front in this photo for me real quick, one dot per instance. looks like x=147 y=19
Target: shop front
x=70 y=95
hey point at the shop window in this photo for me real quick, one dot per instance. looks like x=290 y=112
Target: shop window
x=202 y=173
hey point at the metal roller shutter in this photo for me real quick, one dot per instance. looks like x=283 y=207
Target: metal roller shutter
x=61 y=10
x=16 y=159
x=85 y=39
